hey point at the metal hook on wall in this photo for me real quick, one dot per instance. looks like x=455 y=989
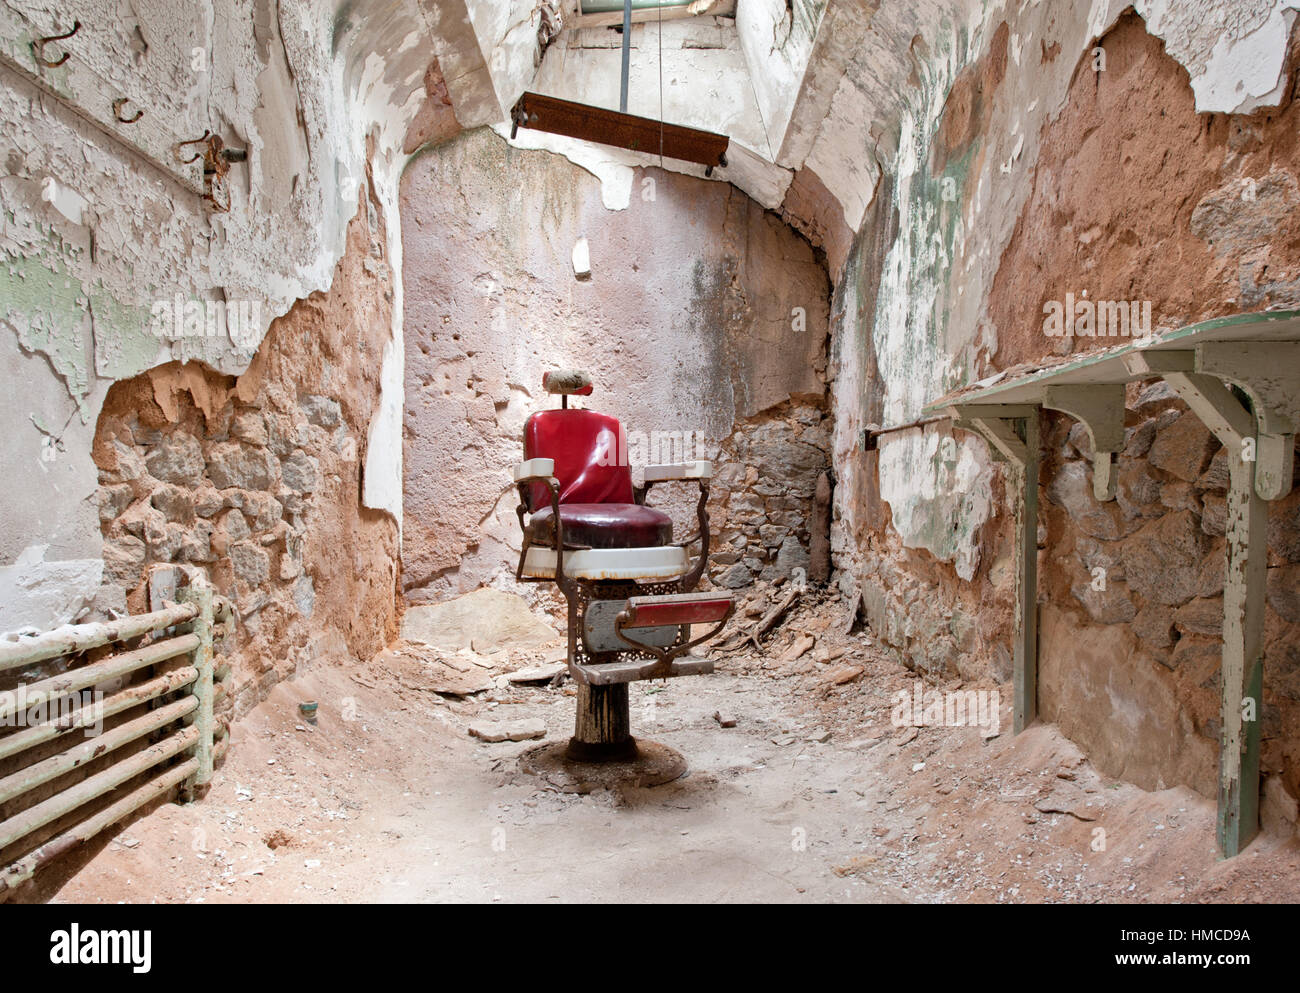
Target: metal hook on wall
x=38 y=47
x=194 y=141
x=121 y=102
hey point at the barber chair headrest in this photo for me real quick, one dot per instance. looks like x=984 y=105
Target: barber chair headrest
x=567 y=382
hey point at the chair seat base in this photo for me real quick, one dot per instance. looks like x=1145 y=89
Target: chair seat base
x=597 y=564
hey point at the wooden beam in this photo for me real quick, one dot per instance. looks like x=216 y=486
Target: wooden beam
x=1215 y=405
x=1242 y=673
x=1025 y=691
x=1242 y=670
x=1145 y=362
x=1269 y=373
x=970 y=411
x=1100 y=409
x=610 y=127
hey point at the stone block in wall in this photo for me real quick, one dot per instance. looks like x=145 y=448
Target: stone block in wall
x=164 y=542
x=250 y=563
x=735 y=577
x=1106 y=606
x=261 y=510
x=1201 y=616
x=790 y=556
x=114 y=499
x=1137 y=440
x=124 y=559
x=250 y=428
x=1284 y=527
x=137 y=517
x=1197 y=655
x=232 y=465
x=126 y=464
x=284 y=434
x=1155 y=396
x=1214 y=515
x=177 y=458
x=321 y=410
x=1209 y=582
x=1162 y=561
x=1183 y=448
x=207 y=501
x=1284 y=591
x=1154 y=624
x=1136 y=491
x=196 y=545
x=299 y=471
x=174 y=502
x=1071 y=489
x=1179 y=496
x=1093 y=555
x=1215 y=476
x=304 y=595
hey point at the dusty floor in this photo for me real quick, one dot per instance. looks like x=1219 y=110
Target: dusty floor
x=387 y=798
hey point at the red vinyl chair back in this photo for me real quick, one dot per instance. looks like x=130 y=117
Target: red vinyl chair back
x=586 y=447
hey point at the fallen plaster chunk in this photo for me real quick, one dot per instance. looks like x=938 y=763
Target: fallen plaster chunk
x=520 y=730
x=538 y=673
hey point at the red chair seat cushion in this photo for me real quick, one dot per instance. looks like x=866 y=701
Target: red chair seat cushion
x=604 y=525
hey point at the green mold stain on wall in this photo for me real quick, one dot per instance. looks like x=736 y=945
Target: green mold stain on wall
x=938 y=495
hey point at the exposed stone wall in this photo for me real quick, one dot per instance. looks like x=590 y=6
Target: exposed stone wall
x=704 y=316
x=1130 y=194
x=257 y=479
x=1149 y=566
x=762 y=494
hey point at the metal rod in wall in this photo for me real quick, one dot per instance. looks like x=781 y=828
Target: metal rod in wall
x=627 y=54
x=199 y=594
x=26 y=867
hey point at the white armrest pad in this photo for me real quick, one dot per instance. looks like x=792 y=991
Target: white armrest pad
x=701 y=469
x=534 y=469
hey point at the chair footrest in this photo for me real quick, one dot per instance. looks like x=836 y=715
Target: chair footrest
x=633 y=670
x=677 y=608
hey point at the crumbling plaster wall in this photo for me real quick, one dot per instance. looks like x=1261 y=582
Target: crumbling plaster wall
x=256 y=478
x=94 y=234
x=703 y=314
x=1003 y=134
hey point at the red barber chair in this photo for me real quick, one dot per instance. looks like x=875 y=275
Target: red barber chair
x=628 y=584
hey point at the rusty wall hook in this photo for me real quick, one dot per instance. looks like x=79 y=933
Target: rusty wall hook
x=38 y=47
x=176 y=150
x=121 y=102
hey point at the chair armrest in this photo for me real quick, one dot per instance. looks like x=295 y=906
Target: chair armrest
x=534 y=469
x=700 y=469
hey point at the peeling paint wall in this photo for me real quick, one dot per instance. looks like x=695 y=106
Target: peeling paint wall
x=999 y=192
x=257 y=480
x=104 y=235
